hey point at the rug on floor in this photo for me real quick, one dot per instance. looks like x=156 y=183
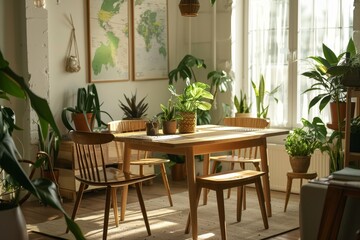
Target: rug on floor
x=169 y=222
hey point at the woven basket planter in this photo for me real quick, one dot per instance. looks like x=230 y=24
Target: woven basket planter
x=188 y=122
x=189 y=8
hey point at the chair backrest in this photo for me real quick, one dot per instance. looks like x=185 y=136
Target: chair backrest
x=248 y=122
x=91 y=151
x=122 y=126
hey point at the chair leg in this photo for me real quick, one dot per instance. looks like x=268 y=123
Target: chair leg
x=198 y=194
x=261 y=199
x=166 y=182
x=240 y=194
x=77 y=202
x=221 y=211
x=125 y=190
x=232 y=167
x=107 y=210
x=288 y=190
x=115 y=206
x=142 y=206
x=206 y=191
x=242 y=166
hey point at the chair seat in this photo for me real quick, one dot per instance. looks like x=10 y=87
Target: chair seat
x=232 y=159
x=228 y=179
x=149 y=161
x=115 y=178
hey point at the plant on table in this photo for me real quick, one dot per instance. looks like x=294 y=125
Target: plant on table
x=13 y=85
x=169 y=117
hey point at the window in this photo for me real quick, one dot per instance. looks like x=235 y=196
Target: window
x=281 y=35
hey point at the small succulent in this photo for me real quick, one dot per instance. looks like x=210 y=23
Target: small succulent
x=132 y=109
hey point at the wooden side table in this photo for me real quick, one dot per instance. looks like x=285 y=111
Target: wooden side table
x=290 y=177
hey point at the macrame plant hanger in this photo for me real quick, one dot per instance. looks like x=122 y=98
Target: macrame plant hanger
x=72 y=62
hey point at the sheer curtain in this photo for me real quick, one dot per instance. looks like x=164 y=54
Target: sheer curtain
x=279 y=51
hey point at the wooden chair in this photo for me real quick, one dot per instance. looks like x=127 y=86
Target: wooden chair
x=91 y=156
x=229 y=179
x=142 y=158
x=243 y=155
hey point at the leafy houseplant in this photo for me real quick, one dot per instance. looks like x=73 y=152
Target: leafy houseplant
x=262 y=108
x=132 y=109
x=329 y=81
x=300 y=144
x=220 y=81
x=242 y=106
x=332 y=145
x=168 y=117
x=192 y=98
x=87 y=110
x=43 y=189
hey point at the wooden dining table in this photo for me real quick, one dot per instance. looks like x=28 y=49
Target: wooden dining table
x=207 y=139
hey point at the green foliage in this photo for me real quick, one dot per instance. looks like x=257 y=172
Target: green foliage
x=184 y=70
x=242 y=105
x=169 y=112
x=43 y=189
x=220 y=82
x=262 y=108
x=193 y=97
x=301 y=142
x=87 y=102
x=332 y=145
x=49 y=144
x=327 y=78
x=132 y=109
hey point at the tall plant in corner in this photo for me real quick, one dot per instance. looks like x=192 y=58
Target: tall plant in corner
x=43 y=189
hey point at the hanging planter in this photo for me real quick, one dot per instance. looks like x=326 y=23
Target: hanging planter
x=189 y=8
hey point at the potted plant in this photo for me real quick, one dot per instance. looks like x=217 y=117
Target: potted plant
x=41 y=188
x=220 y=81
x=86 y=111
x=300 y=144
x=242 y=105
x=169 y=117
x=192 y=98
x=332 y=144
x=152 y=127
x=132 y=109
x=262 y=108
x=330 y=85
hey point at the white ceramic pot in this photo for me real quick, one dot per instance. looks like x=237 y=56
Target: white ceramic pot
x=12 y=224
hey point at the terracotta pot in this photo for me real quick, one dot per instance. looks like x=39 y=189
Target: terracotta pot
x=178 y=172
x=300 y=164
x=188 y=122
x=169 y=127
x=189 y=8
x=80 y=122
x=342 y=113
x=15 y=227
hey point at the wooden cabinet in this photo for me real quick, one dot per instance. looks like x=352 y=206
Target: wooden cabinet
x=67 y=165
x=351 y=158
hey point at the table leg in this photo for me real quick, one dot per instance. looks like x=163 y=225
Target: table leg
x=206 y=164
x=191 y=181
x=265 y=177
x=126 y=169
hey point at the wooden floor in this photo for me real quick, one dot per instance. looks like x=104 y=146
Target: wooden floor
x=34 y=212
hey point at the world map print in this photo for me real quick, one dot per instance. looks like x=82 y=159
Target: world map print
x=110 y=34
x=109 y=40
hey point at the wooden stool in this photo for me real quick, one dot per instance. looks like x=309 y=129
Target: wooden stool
x=290 y=177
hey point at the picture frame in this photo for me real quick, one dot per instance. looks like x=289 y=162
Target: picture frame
x=108 y=41
x=150 y=48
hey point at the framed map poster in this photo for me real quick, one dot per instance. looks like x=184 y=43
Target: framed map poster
x=108 y=39
x=150 y=41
